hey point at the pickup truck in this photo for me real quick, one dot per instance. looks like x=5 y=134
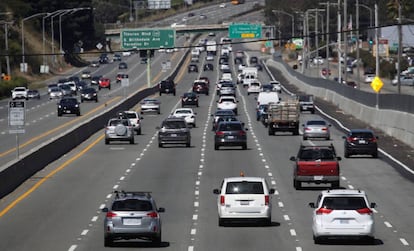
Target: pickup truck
x=316 y=164
x=19 y=93
x=283 y=117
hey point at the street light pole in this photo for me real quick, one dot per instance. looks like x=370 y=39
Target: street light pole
x=291 y=16
x=25 y=19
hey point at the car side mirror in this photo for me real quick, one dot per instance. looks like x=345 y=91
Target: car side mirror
x=105 y=210
x=292 y=158
x=216 y=191
x=373 y=205
x=303 y=125
x=161 y=210
x=271 y=191
x=329 y=125
x=311 y=205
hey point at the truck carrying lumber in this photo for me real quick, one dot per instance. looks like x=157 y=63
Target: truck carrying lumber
x=284 y=117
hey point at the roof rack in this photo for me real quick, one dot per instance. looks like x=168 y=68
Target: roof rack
x=123 y=194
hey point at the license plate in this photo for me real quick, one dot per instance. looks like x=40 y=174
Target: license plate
x=131 y=221
x=230 y=137
x=362 y=142
x=167 y=90
x=67 y=111
x=244 y=203
x=317 y=177
x=343 y=221
x=173 y=135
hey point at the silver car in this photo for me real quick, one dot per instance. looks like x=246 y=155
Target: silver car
x=119 y=129
x=150 y=105
x=132 y=215
x=316 y=129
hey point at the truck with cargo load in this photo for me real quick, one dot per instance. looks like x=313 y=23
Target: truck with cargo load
x=283 y=117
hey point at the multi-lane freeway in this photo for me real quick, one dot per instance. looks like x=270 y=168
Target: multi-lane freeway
x=59 y=208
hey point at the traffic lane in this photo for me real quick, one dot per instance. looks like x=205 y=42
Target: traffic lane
x=228 y=162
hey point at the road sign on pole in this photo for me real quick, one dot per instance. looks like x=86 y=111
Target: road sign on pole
x=17 y=112
x=147 y=39
x=245 y=30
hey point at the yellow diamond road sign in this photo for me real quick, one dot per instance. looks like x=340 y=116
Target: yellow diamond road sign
x=377 y=84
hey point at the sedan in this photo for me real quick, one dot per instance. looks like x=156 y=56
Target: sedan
x=316 y=129
x=187 y=113
x=192 y=68
x=89 y=94
x=208 y=67
x=55 y=93
x=122 y=65
x=150 y=105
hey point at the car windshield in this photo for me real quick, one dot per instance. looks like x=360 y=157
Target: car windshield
x=305 y=98
x=189 y=95
x=132 y=205
x=316 y=154
x=230 y=127
x=244 y=187
x=173 y=124
x=344 y=203
x=316 y=122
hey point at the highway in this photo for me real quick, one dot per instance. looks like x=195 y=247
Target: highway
x=63 y=212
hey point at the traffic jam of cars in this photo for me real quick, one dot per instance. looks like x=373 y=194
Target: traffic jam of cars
x=336 y=212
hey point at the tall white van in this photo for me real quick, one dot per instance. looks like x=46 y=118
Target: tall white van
x=264 y=98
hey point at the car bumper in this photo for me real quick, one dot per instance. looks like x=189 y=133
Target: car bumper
x=174 y=140
x=362 y=149
x=317 y=178
x=247 y=213
x=316 y=135
x=338 y=231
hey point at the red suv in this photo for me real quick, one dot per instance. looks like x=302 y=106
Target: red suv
x=104 y=83
x=200 y=86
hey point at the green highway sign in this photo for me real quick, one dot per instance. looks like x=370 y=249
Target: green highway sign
x=245 y=30
x=142 y=39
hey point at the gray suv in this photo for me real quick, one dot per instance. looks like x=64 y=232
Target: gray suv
x=174 y=130
x=119 y=129
x=132 y=215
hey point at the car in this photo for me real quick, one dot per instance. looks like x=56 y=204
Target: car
x=104 y=83
x=230 y=133
x=325 y=72
x=119 y=129
x=201 y=86
x=223 y=119
x=192 y=68
x=187 y=113
x=404 y=80
x=81 y=85
x=261 y=112
x=88 y=94
x=132 y=215
x=227 y=103
x=86 y=75
x=368 y=78
x=317 y=164
x=95 y=64
x=360 y=141
x=121 y=76
x=20 y=92
x=266 y=88
x=202 y=16
x=103 y=58
x=352 y=84
x=134 y=119
x=33 y=94
x=122 y=66
x=259 y=67
x=342 y=213
x=318 y=60
x=95 y=79
x=211 y=34
x=244 y=199
x=208 y=67
x=222 y=5
x=55 y=93
x=73 y=87
x=210 y=57
x=50 y=87
x=66 y=89
x=205 y=79
x=189 y=98
x=253 y=60
x=227 y=89
x=117 y=57
x=167 y=86
x=143 y=60
x=68 y=105
x=254 y=87
x=306 y=103
x=174 y=130
x=126 y=53
x=150 y=105
x=316 y=129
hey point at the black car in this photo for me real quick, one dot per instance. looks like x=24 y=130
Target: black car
x=68 y=105
x=167 y=86
x=230 y=133
x=81 y=85
x=122 y=65
x=259 y=67
x=33 y=94
x=253 y=60
x=189 y=98
x=89 y=94
x=192 y=68
x=117 y=57
x=360 y=141
x=174 y=130
x=306 y=103
x=201 y=86
x=103 y=58
x=208 y=67
x=95 y=80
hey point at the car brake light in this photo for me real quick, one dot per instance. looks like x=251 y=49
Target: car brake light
x=152 y=214
x=307 y=129
x=222 y=200
x=351 y=138
x=219 y=133
x=324 y=129
x=110 y=214
x=364 y=211
x=267 y=200
x=373 y=139
x=323 y=211
x=242 y=133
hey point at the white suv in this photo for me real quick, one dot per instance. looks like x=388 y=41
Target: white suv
x=244 y=198
x=135 y=120
x=342 y=213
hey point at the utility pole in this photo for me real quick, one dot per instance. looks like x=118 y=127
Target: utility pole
x=346 y=39
x=357 y=43
x=339 y=41
x=377 y=61
x=399 y=47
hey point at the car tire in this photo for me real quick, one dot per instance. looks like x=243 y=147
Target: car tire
x=305 y=138
x=244 y=146
x=221 y=222
x=346 y=153
x=59 y=114
x=159 y=111
x=81 y=100
x=108 y=242
x=297 y=184
x=375 y=154
x=328 y=138
x=78 y=114
x=106 y=141
x=157 y=240
x=313 y=111
x=139 y=131
x=96 y=100
x=132 y=141
x=188 y=144
x=160 y=145
x=216 y=147
x=317 y=240
x=335 y=184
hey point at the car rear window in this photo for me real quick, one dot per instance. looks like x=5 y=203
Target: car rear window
x=230 y=127
x=316 y=122
x=173 y=124
x=305 y=98
x=132 y=205
x=244 y=187
x=118 y=122
x=344 y=203
x=362 y=135
x=314 y=154
x=131 y=115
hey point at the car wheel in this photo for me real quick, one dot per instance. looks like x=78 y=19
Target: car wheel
x=96 y=100
x=305 y=138
x=159 y=111
x=313 y=111
x=297 y=184
x=59 y=114
x=328 y=138
x=188 y=144
x=160 y=93
x=267 y=222
x=271 y=132
x=106 y=141
x=248 y=93
x=99 y=88
x=244 y=146
x=160 y=145
x=81 y=100
x=78 y=114
x=132 y=141
x=335 y=184
x=346 y=153
x=157 y=239
x=317 y=240
x=375 y=154
x=139 y=131
x=216 y=147
x=220 y=222
x=108 y=242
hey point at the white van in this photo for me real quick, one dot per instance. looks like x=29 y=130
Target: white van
x=264 y=98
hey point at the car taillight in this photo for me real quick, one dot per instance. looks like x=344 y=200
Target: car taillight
x=242 y=133
x=222 y=200
x=364 y=211
x=351 y=138
x=372 y=140
x=152 y=214
x=324 y=129
x=307 y=129
x=110 y=214
x=267 y=200
x=323 y=211
x=219 y=133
